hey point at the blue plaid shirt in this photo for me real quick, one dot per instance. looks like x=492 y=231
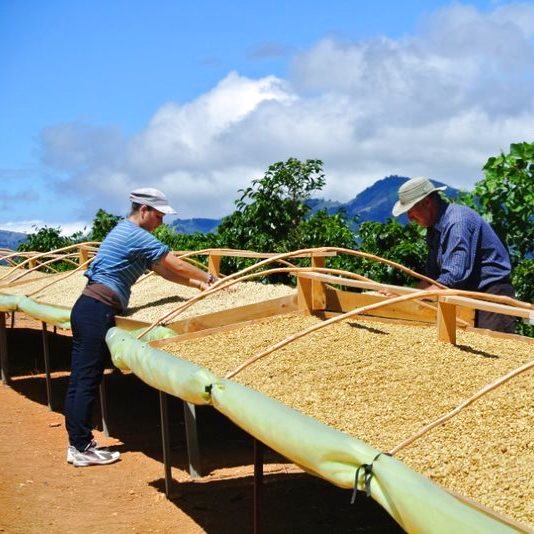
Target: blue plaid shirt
x=464 y=250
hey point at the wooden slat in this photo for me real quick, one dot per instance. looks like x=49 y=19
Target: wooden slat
x=362 y=284
x=342 y=301
x=463 y=313
x=214 y=264
x=258 y=310
x=203 y=333
x=318 y=288
x=304 y=292
x=251 y=254
x=126 y=323
x=489 y=306
x=446 y=322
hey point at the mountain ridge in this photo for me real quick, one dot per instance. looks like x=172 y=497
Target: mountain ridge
x=374 y=203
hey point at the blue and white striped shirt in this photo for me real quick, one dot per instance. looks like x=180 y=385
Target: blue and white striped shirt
x=124 y=255
x=464 y=250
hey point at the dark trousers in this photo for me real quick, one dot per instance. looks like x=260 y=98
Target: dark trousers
x=497 y=321
x=90 y=321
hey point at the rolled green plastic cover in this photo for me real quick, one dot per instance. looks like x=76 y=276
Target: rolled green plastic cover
x=54 y=315
x=414 y=501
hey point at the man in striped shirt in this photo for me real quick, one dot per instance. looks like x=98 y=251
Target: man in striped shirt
x=464 y=251
x=124 y=255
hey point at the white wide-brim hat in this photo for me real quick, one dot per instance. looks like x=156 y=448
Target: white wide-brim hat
x=411 y=192
x=153 y=198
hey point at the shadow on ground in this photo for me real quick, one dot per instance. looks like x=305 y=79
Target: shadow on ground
x=306 y=503
x=289 y=503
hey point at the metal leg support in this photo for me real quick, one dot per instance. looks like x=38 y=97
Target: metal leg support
x=3 y=349
x=191 y=436
x=258 y=483
x=165 y=440
x=104 y=406
x=46 y=354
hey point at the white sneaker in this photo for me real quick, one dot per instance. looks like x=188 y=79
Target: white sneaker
x=71 y=449
x=70 y=454
x=94 y=456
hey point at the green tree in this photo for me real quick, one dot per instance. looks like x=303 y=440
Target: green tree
x=404 y=244
x=103 y=223
x=177 y=241
x=505 y=198
x=322 y=230
x=272 y=206
x=272 y=216
x=48 y=238
x=45 y=239
x=523 y=282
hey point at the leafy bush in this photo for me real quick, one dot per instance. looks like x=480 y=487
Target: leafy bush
x=523 y=282
x=48 y=238
x=103 y=223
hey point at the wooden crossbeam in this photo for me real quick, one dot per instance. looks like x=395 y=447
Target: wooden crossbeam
x=489 y=306
x=349 y=282
x=251 y=254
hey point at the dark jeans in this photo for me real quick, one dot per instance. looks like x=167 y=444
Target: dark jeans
x=90 y=321
x=497 y=321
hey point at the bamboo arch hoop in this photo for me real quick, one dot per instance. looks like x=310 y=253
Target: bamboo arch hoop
x=44 y=254
x=59 y=279
x=480 y=393
x=358 y=311
x=282 y=256
x=240 y=275
x=295 y=270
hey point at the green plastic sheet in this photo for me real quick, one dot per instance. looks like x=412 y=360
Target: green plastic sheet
x=54 y=315
x=416 y=503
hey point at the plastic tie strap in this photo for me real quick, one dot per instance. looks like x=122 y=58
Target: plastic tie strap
x=367 y=476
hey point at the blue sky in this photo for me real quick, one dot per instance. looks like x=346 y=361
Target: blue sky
x=198 y=98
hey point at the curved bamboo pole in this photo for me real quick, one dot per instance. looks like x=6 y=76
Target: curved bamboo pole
x=187 y=258
x=218 y=285
x=47 y=263
x=16 y=266
x=228 y=283
x=215 y=288
x=44 y=254
x=438 y=422
x=394 y=300
x=318 y=251
x=379 y=286
x=475 y=294
x=67 y=275
x=8 y=260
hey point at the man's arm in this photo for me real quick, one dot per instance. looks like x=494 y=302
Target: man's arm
x=181 y=272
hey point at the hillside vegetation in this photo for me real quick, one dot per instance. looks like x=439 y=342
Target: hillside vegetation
x=277 y=213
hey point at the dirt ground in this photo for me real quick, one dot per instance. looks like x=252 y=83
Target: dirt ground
x=40 y=492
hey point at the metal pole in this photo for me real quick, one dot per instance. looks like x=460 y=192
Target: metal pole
x=191 y=436
x=258 y=483
x=104 y=406
x=3 y=350
x=165 y=440
x=47 y=366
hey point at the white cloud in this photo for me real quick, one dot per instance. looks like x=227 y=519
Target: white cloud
x=438 y=103
x=30 y=227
